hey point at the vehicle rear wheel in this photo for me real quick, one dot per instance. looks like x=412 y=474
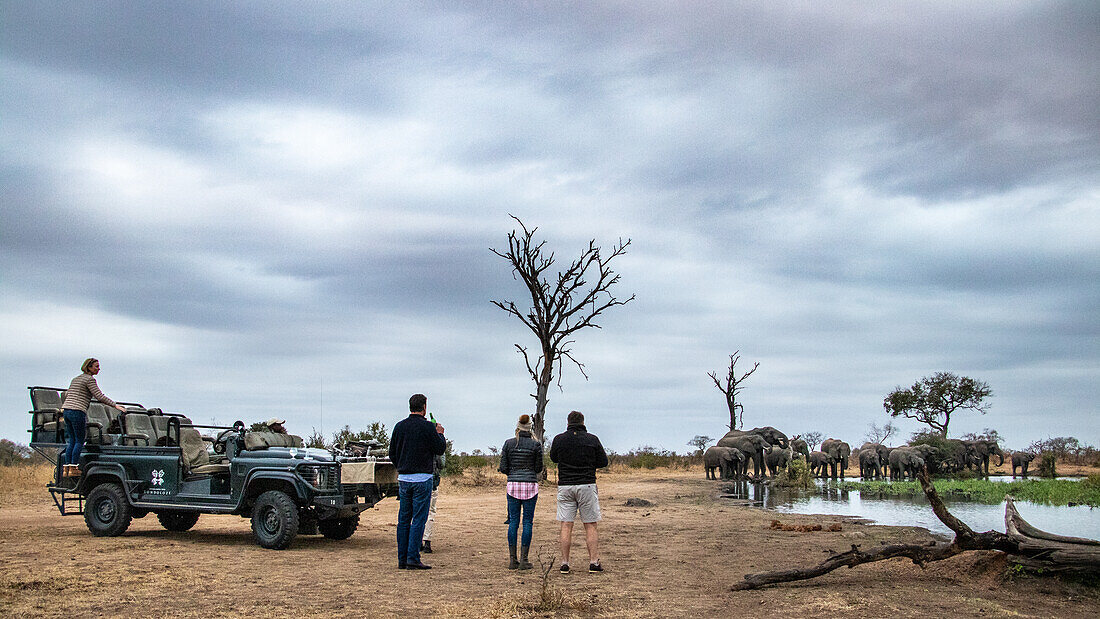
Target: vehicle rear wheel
x=178 y=521
x=339 y=528
x=106 y=510
x=274 y=520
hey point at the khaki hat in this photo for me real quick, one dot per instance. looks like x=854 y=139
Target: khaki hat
x=275 y=420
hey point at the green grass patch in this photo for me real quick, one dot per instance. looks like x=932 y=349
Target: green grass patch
x=1044 y=491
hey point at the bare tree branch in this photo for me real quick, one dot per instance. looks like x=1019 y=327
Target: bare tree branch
x=561 y=304
x=732 y=387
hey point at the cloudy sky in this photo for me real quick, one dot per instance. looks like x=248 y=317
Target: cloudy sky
x=263 y=209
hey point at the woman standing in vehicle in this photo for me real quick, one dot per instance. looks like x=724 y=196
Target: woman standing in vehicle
x=521 y=461
x=75 y=407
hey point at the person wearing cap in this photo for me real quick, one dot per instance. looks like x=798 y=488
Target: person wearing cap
x=276 y=425
x=578 y=455
x=521 y=461
x=413 y=446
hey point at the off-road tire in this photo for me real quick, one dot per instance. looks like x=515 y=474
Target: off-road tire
x=178 y=521
x=274 y=520
x=106 y=510
x=339 y=528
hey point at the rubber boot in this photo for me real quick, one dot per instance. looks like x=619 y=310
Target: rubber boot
x=524 y=564
x=512 y=563
x=426 y=546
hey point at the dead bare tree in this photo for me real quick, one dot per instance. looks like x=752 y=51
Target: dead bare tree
x=732 y=388
x=561 y=304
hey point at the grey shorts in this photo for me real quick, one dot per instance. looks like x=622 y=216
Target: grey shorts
x=583 y=500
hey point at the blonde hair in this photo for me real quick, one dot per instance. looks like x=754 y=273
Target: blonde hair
x=84 y=367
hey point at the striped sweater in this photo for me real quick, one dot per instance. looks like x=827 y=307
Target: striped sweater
x=81 y=391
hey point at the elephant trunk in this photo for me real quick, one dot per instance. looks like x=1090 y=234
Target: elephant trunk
x=1001 y=455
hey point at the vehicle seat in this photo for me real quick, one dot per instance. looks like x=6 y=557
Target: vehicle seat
x=47 y=418
x=262 y=440
x=196 y=460
x=137 y=429
x=99 y=423
x=160 y=426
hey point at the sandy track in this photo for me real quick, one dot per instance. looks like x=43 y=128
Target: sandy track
x=676 y=558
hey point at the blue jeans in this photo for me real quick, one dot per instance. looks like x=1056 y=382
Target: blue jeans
x=411 y=516
x=77 y=431
x=528 y=507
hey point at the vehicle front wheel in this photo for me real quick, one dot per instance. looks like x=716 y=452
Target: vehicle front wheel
x=274 y=520
x=339 y=528
x=178 y=521
x=106 y=510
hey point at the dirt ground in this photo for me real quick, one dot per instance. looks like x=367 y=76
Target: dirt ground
x=676 y=558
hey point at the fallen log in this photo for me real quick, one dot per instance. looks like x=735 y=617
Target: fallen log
x=1039 y=549
x=1026 y=545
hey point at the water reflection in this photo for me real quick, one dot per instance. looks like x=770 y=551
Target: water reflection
x=1078 y=521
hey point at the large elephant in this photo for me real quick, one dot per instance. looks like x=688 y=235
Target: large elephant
x=956 y=456
x=870 y=464
x=819 y=463
x=752 y=445
x=980 y=451
x=1020 y=459
x=778 y=458
x=727 y=460
x=839 y=452
x=800 y=448
x=883 y=457
x=905 y=462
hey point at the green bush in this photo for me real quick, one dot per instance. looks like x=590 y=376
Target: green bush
x=1047 y=467
x=796 y=475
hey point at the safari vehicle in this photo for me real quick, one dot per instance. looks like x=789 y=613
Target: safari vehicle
x=147 y=461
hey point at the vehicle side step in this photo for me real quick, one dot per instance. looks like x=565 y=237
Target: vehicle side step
x=66 y=499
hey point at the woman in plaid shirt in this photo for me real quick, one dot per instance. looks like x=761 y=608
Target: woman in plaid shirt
x=521 y=461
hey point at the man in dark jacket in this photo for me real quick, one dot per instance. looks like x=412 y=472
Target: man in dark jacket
x=414 y=444
x=578 y=455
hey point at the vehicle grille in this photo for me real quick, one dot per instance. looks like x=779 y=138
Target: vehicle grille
x=320 y=477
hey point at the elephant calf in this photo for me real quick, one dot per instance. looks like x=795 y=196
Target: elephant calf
x=905 y=462
x=726 y=459
x=1020 y=459
x=819 y=463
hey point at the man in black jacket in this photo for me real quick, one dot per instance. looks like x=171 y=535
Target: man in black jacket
x=413 y=447
x=578 y=455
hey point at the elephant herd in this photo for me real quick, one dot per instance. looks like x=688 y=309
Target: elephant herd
x=769 y=451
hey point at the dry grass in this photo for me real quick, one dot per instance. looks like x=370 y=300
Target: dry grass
x=19 y=483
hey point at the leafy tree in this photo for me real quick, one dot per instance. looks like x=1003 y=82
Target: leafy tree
x=316 y=439
x=876 y=434
x=13 y=453
x=1060 y=446
x=987 y=434
x=375 y=431
x=933 y=399
x=813 y=439
x=700 y=442
x=561 y=304
x=731 y=388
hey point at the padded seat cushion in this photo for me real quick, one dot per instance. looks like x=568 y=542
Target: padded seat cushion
x=209 y=469
x=263 y=440
x=194 y=449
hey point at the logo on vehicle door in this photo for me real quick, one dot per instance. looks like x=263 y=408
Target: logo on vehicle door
x=158 y=478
